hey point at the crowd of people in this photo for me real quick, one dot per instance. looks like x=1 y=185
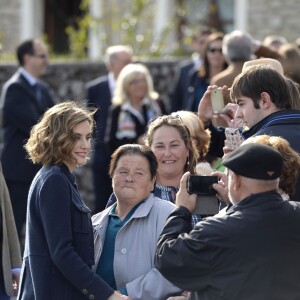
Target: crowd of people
x=144 y=237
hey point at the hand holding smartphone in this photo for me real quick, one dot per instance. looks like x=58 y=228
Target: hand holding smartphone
x=217 y=101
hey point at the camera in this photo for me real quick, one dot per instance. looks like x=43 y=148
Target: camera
x=207 y=203
x=201 y=185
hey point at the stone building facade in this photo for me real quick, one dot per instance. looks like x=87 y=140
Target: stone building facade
x=20 y=19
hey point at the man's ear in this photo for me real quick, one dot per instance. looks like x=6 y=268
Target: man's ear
x=266 y=101
x=236 y=181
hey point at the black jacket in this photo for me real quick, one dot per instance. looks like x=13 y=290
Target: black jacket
x=250 y=251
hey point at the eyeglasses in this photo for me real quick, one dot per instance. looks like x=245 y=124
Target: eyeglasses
x=213 y=50
x=41 y=56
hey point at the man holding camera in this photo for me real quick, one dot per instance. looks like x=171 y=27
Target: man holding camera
x=250 y=251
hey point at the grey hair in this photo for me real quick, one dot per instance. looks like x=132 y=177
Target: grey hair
x=237 y=46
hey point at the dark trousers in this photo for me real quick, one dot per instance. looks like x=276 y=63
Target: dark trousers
x=18 y=192
x=3 y=295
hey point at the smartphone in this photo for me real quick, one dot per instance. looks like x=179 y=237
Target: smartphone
x=233 y=139
x=217 y=101
x=201 y=185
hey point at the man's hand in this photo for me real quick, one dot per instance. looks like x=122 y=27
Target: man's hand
x=205 y=111
x=221 y=187
x=183 y=198
x=229 y=116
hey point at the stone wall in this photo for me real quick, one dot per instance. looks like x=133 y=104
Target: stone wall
x=274 y=17
x=68 y=81
x=9 y=24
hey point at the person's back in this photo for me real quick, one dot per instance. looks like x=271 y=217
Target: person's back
x=262 y=242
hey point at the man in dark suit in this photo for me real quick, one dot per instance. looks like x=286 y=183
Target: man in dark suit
x=24 y=99
x=99 y=93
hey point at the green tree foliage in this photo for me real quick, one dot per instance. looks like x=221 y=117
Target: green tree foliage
x=120 y=22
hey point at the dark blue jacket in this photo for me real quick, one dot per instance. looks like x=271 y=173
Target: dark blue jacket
x=59 y=245
x=21 y=110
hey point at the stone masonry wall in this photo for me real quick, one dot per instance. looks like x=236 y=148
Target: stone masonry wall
x=68 y=81
x=9 y=24
x=274 y=17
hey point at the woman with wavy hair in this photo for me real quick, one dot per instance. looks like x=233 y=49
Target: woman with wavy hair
x=59 y=244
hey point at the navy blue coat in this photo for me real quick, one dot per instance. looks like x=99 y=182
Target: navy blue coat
x=59 y=245
x=98 y=95
x=21 y=110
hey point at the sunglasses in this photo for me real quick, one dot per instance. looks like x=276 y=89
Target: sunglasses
x=213 y=50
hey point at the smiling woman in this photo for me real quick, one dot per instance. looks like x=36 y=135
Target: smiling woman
x=59 y=251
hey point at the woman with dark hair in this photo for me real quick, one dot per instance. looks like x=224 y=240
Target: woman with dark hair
x=126 y=232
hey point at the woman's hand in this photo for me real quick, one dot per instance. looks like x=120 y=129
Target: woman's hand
x=117 y=296
x=15 y=282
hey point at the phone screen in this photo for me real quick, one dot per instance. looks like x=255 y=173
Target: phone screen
x=217 y=101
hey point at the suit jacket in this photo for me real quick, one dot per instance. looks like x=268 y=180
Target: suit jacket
x=98 y=95
x=21 y=110
x=180 y=85
x=11 y=253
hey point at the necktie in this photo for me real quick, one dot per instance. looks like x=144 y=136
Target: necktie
x=38 y=92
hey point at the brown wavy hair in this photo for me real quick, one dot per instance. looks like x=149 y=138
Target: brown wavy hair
x=291 y=160
x=52 y=140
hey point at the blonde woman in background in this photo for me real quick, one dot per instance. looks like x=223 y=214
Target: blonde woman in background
x=135 y=104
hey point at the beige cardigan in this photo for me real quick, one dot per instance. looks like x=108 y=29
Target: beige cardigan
x=11 y=253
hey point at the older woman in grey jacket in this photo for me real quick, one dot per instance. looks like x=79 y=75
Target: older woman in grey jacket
x=126 y=232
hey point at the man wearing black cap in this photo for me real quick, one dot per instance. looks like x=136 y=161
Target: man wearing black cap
x=249 y=252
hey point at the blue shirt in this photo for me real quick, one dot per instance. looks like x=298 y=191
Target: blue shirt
x=105 y=268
